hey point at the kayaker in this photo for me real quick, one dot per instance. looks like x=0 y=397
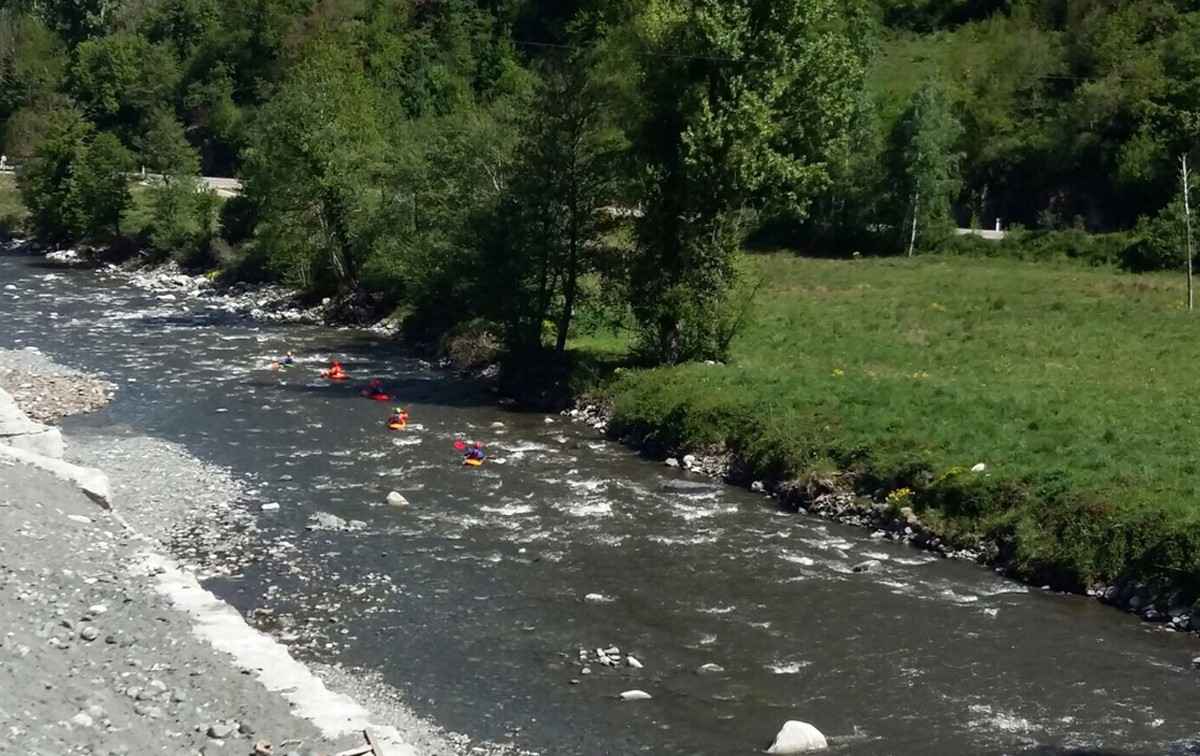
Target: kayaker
x=475 y=452
x=398 y=419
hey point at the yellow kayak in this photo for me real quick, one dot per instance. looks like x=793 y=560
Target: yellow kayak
x=473 y=462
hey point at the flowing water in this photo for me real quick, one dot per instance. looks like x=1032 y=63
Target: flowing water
x=474 y=600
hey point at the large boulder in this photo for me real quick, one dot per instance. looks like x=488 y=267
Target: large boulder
x=798 y=737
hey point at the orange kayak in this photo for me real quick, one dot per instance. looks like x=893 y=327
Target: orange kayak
x=397 y=426
x=473 y=462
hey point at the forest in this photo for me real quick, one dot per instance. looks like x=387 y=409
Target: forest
x=553 y=168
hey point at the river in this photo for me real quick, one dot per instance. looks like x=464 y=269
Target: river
x=473 y=601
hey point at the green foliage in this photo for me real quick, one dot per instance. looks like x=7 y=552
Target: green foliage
x=99 y=188
x=75 y=185
x=183 y=220
x=739 y=123
x=314 y=169
x=164 y=147
x=926 y=163
x=551 y=228
x=32 y=62
x=119 y=80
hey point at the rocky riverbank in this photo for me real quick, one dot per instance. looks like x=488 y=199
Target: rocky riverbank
x=1172 y=603
x=111 y=646
x=268 y=303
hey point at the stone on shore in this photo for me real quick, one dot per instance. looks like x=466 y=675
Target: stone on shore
x=396 y=499
x=798 y=737
x=635 y=695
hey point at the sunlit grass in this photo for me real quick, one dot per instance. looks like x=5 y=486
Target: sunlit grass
x=1072 y=385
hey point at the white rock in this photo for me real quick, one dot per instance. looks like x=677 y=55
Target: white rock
x=97 y=609
x=672 y=462
x=597 y=598
x=547 y=420
x=270 y=506
x=635 y=695
x=633 y=662
x=396 y=499
x=710 y=668
x=80 y=519
x=82 y=719
x=798 y=737
x=979 y=468
x=689 y=460
x=757 y=486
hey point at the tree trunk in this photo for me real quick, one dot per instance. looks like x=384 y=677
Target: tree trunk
x=1187 y=221
x=912 y=237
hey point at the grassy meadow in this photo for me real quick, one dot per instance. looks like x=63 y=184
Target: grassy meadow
x=1071 y=384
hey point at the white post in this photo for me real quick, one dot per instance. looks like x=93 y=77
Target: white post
x=1187 y=220
x=997 y=225
x=912 y=239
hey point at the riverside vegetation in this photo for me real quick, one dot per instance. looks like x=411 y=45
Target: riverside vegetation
x=572 y=187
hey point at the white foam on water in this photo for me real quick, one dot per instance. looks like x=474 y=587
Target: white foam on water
x=587 y=508
x=522 y=447
x=590 y=486
x=957 y=598
x=788 y=667
x=796 y=559
x=997 y=720
x=407 y=440
x=877 y=555
x=915 y=561
x=717 y=609
x=690 y=512
x=509 y=510
x=684 y=541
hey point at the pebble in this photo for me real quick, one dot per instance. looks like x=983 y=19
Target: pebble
x=82 y=719
x=89 y=633
x=633 y=662
x=270 y=506
x=672 y=462
x=222 y=730
x=710 y=668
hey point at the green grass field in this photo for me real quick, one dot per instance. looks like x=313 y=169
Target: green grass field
x=1073 y=385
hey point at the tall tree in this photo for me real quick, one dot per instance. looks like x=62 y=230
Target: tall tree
x=927 y=164
x=745 y=102
x=554 y=216
x=315 y=166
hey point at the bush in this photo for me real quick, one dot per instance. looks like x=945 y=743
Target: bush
x=474 y=344
x=239 y=215
x=1158 y=242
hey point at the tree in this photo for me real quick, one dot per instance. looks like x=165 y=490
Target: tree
x=746 y=100
x=119 y=80
x=45 y=181
x=927 y=163
x=165 y=149
x=553 y=218
x=75 y=186
x=99 y=190
x=315 y=168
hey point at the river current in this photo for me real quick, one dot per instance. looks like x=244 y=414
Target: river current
x=474 y=601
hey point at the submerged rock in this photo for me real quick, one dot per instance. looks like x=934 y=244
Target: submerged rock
x=866 y=565
x=798 y=737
